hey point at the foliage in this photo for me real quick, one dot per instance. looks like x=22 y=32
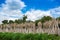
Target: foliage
x=43 y=19
x=5 y=21
x=36 y=22
x=24 y=18
x=16 y=21
x=58 y=18
x=19 y=21
x=11 y=21
x=21 y=36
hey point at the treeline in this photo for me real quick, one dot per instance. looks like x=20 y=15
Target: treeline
x=21 y=36
x=23 y=20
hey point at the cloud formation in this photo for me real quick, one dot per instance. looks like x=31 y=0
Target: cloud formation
x=15 y=4
x=36 y=14
x=12 y=10
x=55 y=12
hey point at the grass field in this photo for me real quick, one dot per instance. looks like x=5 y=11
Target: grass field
x=21 y=36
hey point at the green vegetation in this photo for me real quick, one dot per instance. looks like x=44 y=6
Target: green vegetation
x=58 y=18
x=18 y=21
x=21 y=36
x=5 y=21
x=23 y=20
x=45 y=18
x=42 y=20
x=11 y=21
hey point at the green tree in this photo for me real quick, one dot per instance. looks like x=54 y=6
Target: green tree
x=44 y=19
x=36 y=22
x=5 y=21
x=58 y=18
x=24 y=18
x=16 y=21
x=19 y=21
x=11 y=21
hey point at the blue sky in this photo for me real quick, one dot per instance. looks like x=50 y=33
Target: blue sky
x=34 y=9
x=42 y=4
x=39 y=4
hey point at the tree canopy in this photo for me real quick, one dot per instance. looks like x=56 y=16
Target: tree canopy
x=43 y=19
x=58 y=18
x=16 y=21
x=24 y=18
x=19 y=21
x=5 y=21
x=11 y=21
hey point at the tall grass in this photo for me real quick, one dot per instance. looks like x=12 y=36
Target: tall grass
x=21 y=36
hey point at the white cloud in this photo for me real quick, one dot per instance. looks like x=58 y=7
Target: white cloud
x=11 y=10
x=36 y=14
x=55 y=10
x=15 y=4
